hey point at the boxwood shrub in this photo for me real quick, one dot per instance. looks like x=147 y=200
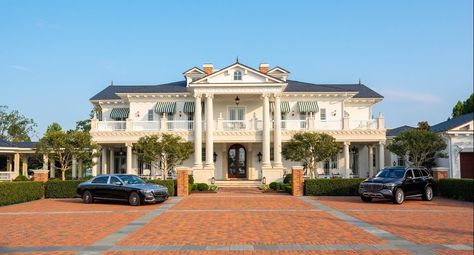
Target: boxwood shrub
x=288 y=179
x=332 y=187
x=462 y=189
x=19 y=192
x=274 y=186
x=61 y=189
x=202 y=187
x=21 y=178
x=170 y=184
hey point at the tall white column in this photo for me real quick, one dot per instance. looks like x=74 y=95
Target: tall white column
x=112 y=160
x=209 y=132
x=197 y=132
x=277 y=133
x=79 y=166
x=52 y=169
x=381 y=154
x=45 y=162
x=371 y=160
x=104 y=166
x=94 y=163
x=16 y=164
x=347 y=158
x=266 y=132
x=129 y=158
x=74 y=167
x=24 y=167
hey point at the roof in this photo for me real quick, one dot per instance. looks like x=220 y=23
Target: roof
x=452 y=123
x=8 y=144
x=364 y=91
x=397 y=131
x=110 y=93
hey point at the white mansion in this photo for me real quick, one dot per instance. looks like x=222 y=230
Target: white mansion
x=238 y=117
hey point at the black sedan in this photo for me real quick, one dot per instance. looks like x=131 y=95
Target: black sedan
x=396 y=183
x=121 y=187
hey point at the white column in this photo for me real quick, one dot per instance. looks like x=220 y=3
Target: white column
x=266 y=132
x=112 y=160
x=381 y=154
x=209 y=132
x=79 y=166
x=347 y=158
x=52 y=169
x=197 y=132
x=45 y=162
x=94 y=163
x=16 y=164
x=104 y=165
x=371 y=159
x=24 y=165
x=74 y=167
x=129 y=158
x=277 y=134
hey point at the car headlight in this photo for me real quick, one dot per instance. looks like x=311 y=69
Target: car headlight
x=389 y=186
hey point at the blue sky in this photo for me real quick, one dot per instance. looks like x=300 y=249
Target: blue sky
x=55 y=55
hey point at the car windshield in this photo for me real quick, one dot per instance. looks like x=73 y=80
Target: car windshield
x=131 y=179
x=391 y=173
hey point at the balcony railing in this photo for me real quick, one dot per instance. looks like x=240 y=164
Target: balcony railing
x=252 y=124
x=6 y=176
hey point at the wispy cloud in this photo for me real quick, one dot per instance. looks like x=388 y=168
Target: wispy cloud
x=44 y=24
x=411 y=96
x=21 y=68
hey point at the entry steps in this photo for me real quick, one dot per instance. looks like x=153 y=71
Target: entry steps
x=238 y=183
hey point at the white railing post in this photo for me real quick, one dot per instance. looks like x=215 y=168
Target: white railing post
x=219 y=122
x=164 y=123
x=380 y=122
x=345 y=123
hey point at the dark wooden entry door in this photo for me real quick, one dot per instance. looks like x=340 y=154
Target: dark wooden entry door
x=467 y=163
x=237 y=161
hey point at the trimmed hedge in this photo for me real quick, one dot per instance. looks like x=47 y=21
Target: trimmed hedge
x=61 y=189
x=21 y=178
x=288 y=179
x=19 y=192
x=332 y=187
x=170 y=184
x=202 y=187
x=462 y=189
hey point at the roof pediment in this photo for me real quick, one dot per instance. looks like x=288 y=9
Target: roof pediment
x=226 y=76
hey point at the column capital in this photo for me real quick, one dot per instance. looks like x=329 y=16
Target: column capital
x=197 y=95
x=209 y=95
x=347 y=143
x=277 y=95
x=265 y=95
x=382 y=143
x=129 y=144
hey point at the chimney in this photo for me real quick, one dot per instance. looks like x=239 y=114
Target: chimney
x=264 y=68
x=207 y=68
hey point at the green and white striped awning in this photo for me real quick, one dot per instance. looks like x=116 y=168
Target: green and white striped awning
x=119 y=113
x=189 y=107
x=284 y=107
x=165 y=107
x=308 y=106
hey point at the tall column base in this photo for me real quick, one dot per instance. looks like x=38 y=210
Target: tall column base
x=203 y=175
x=272 y=174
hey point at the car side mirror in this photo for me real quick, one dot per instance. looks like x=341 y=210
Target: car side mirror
x=409 y=178
x=117 y=183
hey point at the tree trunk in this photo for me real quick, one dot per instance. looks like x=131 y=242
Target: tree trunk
x=63 y=174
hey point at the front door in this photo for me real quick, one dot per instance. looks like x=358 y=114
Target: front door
x=237 y=163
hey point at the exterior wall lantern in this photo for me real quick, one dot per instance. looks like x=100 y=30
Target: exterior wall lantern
x=237 y=100
x=264 y=180
x=214 y=157
x=213 y=180
x=259 y=156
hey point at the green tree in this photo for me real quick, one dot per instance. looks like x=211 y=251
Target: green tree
x=310 y=148
x=421 y=146
x=424 y=125
x=166 y=150
x=464 y=107
x=15 y=127
x=62 y=146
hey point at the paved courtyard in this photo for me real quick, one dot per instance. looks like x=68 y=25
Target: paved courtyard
x=238 y=222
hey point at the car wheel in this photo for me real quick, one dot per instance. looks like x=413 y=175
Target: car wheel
x=428 y=194
x=87 y=197
x=399 y=196
x=134 y=199
x=366 y=199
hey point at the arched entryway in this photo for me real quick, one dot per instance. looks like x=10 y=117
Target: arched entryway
x=237 y=161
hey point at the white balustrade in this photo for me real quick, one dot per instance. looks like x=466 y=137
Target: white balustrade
x=180 y=125
x=293 y=124
x=6 y=176
x=328 y=125
x=363 y=124
x=111 y=125
x=235 y=125
x=146 y=125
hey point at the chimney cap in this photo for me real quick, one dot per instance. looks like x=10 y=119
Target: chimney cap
x=207 y=65
x=264 y=65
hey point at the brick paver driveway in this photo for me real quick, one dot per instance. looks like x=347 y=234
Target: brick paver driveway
x=238 y=222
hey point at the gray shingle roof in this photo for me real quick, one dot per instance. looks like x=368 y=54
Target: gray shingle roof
x=452 y=123
x=180 y=86
x=8 y=144
x=397 y=131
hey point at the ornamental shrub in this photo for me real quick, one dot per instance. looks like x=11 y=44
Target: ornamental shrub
x=332 y=187
x=213 y=187
x=61 y=189
x=202 y=186
x=21 y=178
x=462 y=189
x=19 y=192
x=288 y=188
x=190 y=179
x=288 y=178
x=264 y=187
x=274 y=185
x=170 y=184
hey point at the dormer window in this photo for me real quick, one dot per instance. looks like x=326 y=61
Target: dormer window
x=237 y=76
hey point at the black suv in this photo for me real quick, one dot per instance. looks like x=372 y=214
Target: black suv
x=121 y=187
x=396 y=183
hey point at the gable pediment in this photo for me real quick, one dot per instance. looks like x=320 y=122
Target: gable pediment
x=226 y=76
x=468 y=126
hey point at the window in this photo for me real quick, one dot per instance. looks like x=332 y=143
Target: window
x=203 y=154
x=409 y=173
x=114 y=179
x=334 y=162
x=237 y=76
x=170 y=116
x=374 y=159
x=323 y=114
x=190 y=121
x=417 y=173
x=326 y=167
x=424 y=173
x=102 y=179
x=150 y=115
x=401 y=161
x=302 y=120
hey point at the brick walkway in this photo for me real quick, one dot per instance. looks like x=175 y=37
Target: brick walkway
x=238 y=222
